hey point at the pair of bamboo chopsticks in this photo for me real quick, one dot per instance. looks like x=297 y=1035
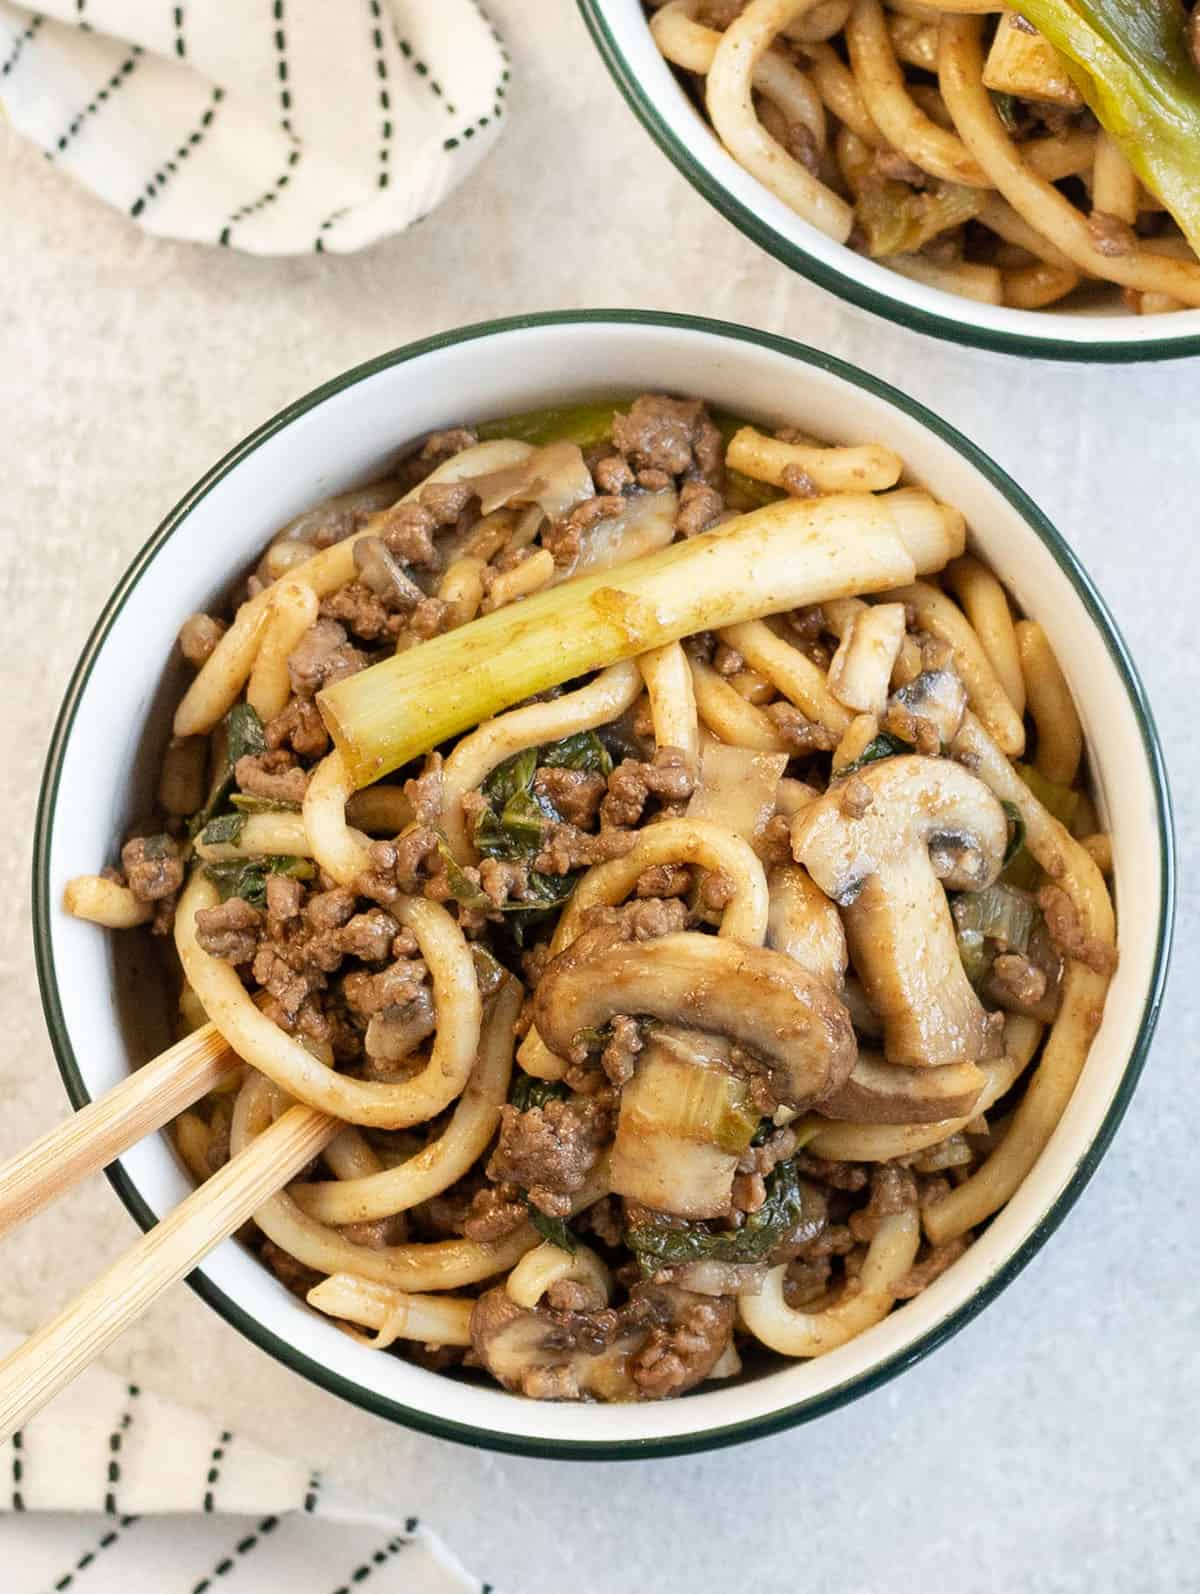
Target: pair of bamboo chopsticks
x=55 y=1354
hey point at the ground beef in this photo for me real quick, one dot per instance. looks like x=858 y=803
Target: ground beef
x=621 y=1053
x=854 y=797
x=428 y=619
x=198 y=638
x=153 y=867
x=935 y=1263
x=443 y=445
x=394 y=1033
x=285 y=897
x=716 y=890
x=291 y=981
x=424 y=792
x=369 y=936
x=275 y=775
x=776 y=1148
x=837 y=1175
x=503 y=881
x=1016 y=983
x=406 y=531
x=1066 y=931
x=376 y=1234
x=550 y=1150
x=300 y=727
x=395 y=867
x=916 y=729
x=632 y=783
x=749 y=1192
x=681 y=1352
x=566 y=848
x=700 y=507
x=798 y=483
x=641 y=920
x=361 y=611
x=892 y=164
x=446 y=501
x=800 y=734
x=322 y=656
x=664 y=880
x=230 y=931
x=575 y=793
x=565 y=537
x=495 y=1211
x=612 y=475
x=395 y=986
x=893 y=1190
x=670 y=435
x=1111 y=236
x=288 y=1270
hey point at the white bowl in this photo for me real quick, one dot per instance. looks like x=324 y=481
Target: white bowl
x=657 y=97
x=98 y=992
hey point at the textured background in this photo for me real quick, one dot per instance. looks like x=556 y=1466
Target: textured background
x=1052 y=1446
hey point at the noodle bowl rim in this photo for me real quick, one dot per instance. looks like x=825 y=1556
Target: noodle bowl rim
x=492 y=1419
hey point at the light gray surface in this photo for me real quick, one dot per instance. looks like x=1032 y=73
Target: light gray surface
x=1052 y=1446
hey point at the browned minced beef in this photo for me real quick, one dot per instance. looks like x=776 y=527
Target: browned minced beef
x=664 y=880
x=198 y=637
x=565 y=538
x=674 y=436
x=620 y=1054
x=229 y=931
x=566 y=847
x=378 y=1233
x=362 y=611
x=1110 y=235
x=700 y=507
x=632 y=783
x=612 y=475
x=838 y=1175
x=428 y=619
x=680 y=1350
x=275 y=775
x=322 y=656
x=495 y=1211
x=153 y=867
x=503 y=880
x=893 y=1190
x=797 y=482
x=292 y=1274
x=575 y=793
x=550 y=1150
x=299 y=726
x=395 y=867
x=424 y=792
x=1066 y=931
x=1016 y=982
x=394 y=986
x=931 y=1266
x=643 y=919
x=801 y=734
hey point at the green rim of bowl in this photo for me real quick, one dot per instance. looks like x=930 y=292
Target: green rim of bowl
x=796 y=258
x=797 y=1412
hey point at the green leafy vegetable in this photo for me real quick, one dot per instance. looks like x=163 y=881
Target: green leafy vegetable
x=1016 y=831
x=786 y=1214
x=225 y=828
x=248 y=878
x=244 y=736
x=553 y=1229
x=247 y=803
x=528 y=1091
x=1130 y=61
x=584 y=424
x=1021 y=868
x=885 y=745
x=1008 y=111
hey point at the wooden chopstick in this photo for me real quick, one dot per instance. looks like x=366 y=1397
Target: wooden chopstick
x=148 y=1099
x=52 y=1356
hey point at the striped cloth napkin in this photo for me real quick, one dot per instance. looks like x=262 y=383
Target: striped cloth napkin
x=113 y=1489
x=273 y=126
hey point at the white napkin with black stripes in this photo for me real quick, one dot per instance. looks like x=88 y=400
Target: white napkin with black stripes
x=113 y=1489
x=274 y=126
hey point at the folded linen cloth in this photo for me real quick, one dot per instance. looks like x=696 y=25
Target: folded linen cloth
x=113 y=1488
x=273 y=126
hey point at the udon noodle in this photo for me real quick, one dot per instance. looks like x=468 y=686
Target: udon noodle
x=698 y=967
x=944 y=138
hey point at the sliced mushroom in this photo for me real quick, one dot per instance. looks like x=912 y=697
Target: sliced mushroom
x=759 y=999
x=803 y=924
x=888 y=1093
x=379 y=569
x=663 y=1341
x=554 y=477
x=877 y=861
x=937 y=696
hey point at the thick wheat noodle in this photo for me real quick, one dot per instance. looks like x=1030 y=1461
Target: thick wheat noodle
x=275 y=1053
x=960 y=75
x=1059 y=733
x=217 y=684
x=1115 y=186
x=997 y=214
x=728 y=92
x=261 y=836
x=549 y=1264
x=789 y=671
x=396 y=1314
x=942 y=618
x=730 y=716
x=381 y=1193
x=985 y=603
x=692 y=841
x=521 y=580
x=340 y=849
x=1081 y=1009
x=292 y=611
x=104 y=902
x=795 y=1332
x=462 y=588
x=440 y=1265
x=836 y=85
x=934 y=8
x=351 y=1156
x=891 y=107
x=688 y=44
x=864 y=1142
x=841 y=468
x=860 y=672
x=474 y=758
x=964 y=277
x=672 y=701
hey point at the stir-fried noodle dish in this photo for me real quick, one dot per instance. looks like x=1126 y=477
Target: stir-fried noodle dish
x=1046 y=156
x=665 y=854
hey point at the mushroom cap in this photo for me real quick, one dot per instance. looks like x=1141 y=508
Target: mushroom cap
x=915 y=801
x=761 y=1000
